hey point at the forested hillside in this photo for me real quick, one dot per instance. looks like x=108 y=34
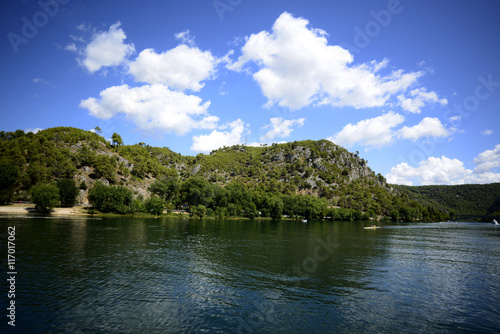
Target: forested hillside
x=313 y=179
x=467 y=199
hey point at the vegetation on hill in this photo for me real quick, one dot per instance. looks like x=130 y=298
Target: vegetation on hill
x=311 y=179
x=466 y=199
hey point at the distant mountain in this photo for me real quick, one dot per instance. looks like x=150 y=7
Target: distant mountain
x=311 y=168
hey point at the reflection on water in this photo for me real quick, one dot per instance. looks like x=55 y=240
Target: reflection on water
x=127 y=275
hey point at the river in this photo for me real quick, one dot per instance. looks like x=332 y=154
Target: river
x=173 y=275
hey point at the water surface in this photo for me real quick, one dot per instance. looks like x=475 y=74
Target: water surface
x=132 y=275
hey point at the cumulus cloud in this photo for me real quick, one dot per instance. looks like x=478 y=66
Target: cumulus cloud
x=153 y=107
x=217 y=139
x=487 y=160
x=181 y=68
x=419 y=98
x=444 y=170
x=431 y=171
x=487 y=132
x=428 y=127
x=298 y=68
x=107 y=48
x=280 y=128
x=374 y=132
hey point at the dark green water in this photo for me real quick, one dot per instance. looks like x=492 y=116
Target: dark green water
x=191 y=276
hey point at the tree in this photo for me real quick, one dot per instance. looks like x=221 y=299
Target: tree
x=198 y=210
x=98 y=130
x=117 y=139
x=8 y=178
x=45 y=197
x=105 y=166
x=68 y=192
x=167 y=188
x=154 y=205
x=111 y=198
x=276 y=207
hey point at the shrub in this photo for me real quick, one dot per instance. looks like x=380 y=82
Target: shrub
x=154 y=205
x=115 y=199
x=45 y=197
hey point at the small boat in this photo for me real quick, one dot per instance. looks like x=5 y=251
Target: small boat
x=304 y=220
x=372 y=227
x=494 y=222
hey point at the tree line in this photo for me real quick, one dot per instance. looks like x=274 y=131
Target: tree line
x=312 y=179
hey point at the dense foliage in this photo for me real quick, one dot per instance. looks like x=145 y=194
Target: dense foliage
x=8 y=180
x=467 y=199
x=45 y=197
x=68 y=191
x=115 y=199
x=311 y=179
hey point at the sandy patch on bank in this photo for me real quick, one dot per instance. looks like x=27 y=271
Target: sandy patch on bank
x=22 y=208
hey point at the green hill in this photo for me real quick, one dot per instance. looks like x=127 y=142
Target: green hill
x=294 y=177
x=466 y=199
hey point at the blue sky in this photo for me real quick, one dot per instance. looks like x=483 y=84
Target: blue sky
x=414 y=86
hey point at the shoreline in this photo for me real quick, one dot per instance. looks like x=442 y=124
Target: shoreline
x=29 y=209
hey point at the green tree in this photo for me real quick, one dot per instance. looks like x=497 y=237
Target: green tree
x=154 y=205
x=167 y=188
x=45 y=197
x=275 y=207
x=115 y=199
x=105 y=166
x=8 y=179
x=198 y=210
x=68 y=192
x=117 y=139
x=196 y=191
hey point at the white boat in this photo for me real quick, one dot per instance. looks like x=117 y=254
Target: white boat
x=304 y=220
x=494 y=222
x=372 y=227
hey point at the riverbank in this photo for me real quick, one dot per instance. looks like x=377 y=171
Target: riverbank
x=23 y=208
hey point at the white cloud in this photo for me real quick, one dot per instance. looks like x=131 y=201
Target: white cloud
x=448 y=171
x=431 y=171
x=107 y=49
x=71 y=47
x=428 y=127
x=34 y=130
x=43 y=81
x=298 y=68
x=217 y=139
x=375 y=132
x=487 y=132
x=487 y=160
x=185 y=37
x=280 y=128
x=153 y=107
x=419 y=98
x=83 y=27
x=181 y=68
